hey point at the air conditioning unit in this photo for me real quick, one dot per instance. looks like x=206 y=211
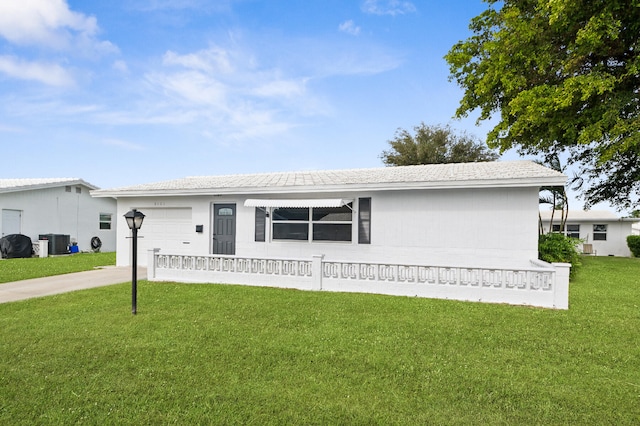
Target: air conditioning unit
x=58 y=243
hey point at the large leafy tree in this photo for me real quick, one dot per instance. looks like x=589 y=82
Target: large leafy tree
x=435 y=145
x=564 y=76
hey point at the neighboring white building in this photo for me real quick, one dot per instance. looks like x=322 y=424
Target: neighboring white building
x=602 y=232
x=379 y=224
x=58 y=206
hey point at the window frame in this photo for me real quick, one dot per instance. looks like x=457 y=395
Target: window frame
x=601 y=232
x=312 y=224
x=260 y=228
x=557 y=229
x=575 y=233
x=104 y=224
x=364 y=220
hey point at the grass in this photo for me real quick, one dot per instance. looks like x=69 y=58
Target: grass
x=212 y=354
x=35 y=267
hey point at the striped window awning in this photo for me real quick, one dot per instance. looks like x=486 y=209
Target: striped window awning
x=297 y=203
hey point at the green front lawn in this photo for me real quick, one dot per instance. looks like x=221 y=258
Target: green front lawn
x=35 y=267
x=219 y=354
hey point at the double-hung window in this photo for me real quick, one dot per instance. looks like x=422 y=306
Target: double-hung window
x=331 y=223
x=599 y=232
x=105 y=221
x=291 y=223
x=573 y=231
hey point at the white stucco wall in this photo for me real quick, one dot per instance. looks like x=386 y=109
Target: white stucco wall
x=616 y=242
x=55 y=211
x=494 y=227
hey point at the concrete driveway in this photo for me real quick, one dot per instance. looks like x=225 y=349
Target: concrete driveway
x=38 y=287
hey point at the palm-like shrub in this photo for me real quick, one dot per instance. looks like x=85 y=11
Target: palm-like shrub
x=554 y=247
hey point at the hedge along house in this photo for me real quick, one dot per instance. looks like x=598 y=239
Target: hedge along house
x=60 y=207
x=460 y=231
x=602 y=232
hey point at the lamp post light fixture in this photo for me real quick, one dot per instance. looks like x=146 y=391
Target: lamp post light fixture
x=134 y=221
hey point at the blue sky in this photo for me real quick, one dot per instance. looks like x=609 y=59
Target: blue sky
x=133 y=91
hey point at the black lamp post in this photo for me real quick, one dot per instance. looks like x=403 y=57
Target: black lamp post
x=134 y=221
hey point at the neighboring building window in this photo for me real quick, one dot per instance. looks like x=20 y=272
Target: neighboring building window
x=261 y=223
x=321 y=223
x=599 y=232
x=78 y=190
x=67 y=189
x=573 y=231
x=105 y=221
x=364 y=221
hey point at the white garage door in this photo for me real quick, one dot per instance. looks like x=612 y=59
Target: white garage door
x=169 y=229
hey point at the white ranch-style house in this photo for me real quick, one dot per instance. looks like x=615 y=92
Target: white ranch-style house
x=460 y=231
x=602 y=232
x=59 y=207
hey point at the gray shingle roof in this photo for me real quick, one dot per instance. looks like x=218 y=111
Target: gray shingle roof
x=462 y=175
x=13 y=185
x=585 y=216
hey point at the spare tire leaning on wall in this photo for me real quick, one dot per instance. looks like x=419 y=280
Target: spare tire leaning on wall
x=96 y=244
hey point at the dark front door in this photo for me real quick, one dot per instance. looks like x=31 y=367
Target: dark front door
x=224 y=229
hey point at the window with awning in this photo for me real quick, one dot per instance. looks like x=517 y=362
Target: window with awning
x=327 y=219
x=296 y=203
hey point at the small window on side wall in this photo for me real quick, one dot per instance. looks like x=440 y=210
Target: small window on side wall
x=599 y=232
x=573 y=231
x=105 y=221
x=364 y=221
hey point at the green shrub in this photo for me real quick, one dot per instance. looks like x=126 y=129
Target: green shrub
x=633 y=241
x=555 y=247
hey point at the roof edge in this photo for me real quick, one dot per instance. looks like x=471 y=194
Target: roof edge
x=53 y=184
x=471 y=184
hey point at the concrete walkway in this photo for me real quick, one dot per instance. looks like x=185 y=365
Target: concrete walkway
x=38 y=287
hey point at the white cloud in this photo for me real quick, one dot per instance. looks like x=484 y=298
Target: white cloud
x=52 y=24
x=349 y=27
x=47 y=73
x=213 y=59
x=149 y=114
x=223 y=77
x=356 y=59
x=281 y=88
x=388 y=7
x=248 y=122
x=191 y=86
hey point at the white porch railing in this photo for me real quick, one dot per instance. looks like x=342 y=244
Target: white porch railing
x=542 y=284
